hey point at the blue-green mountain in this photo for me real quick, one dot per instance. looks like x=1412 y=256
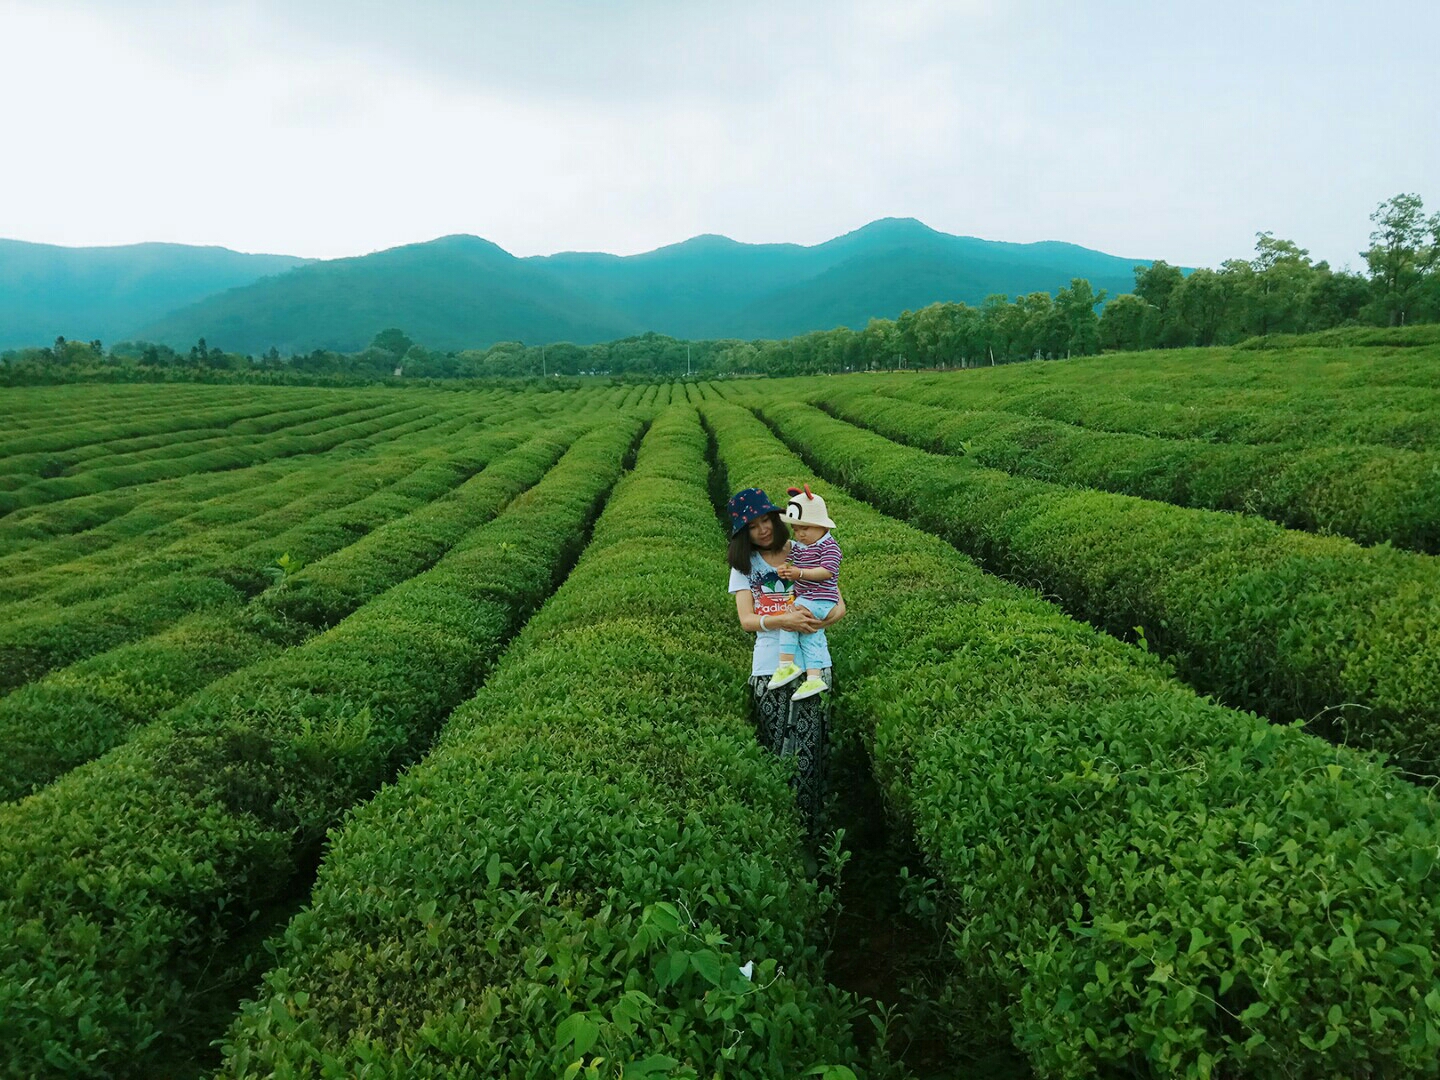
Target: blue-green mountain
x=464 y=292
x=106 y=292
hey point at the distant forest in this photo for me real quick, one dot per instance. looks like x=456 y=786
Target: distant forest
x=1278 y=291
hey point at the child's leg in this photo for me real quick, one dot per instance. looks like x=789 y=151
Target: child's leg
x=786 y=672
x=813 y=648
x=810 y=652
x=788 y=642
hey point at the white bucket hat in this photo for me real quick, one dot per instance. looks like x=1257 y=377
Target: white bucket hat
x=805 y=508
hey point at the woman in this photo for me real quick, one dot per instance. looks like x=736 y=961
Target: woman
x=759 y=545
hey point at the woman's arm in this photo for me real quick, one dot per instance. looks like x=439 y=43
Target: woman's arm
x=836 y=614
x=745 y=610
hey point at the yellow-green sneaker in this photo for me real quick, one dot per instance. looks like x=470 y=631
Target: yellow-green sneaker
x=784 y=674
x=809 y=688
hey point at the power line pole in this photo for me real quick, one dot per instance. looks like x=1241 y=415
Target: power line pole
x=687 y=359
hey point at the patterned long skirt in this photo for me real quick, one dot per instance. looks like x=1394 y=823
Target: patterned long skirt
x=798 y=729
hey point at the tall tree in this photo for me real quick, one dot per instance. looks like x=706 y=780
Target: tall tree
x=1403 y=250
x=1076 y=309
x=1282 y=276
x=1122 y=322
x=393 y=340
x=1157 y=285
x=1203 y=301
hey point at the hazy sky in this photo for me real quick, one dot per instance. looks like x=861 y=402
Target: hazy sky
x=337 y=127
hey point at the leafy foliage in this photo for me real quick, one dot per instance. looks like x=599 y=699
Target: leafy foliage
x=192 y=826
x=1289 y=624
x=581 y=870
x=1136 y=880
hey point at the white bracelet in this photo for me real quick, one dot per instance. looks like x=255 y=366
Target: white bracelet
x=762 y=624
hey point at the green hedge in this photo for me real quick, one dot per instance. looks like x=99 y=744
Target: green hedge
x=79 y=712
x=250 y=531
x=99 y=447
x=1136 y=881
x=325 y=591
x=1299 y=398
x=108 y=611
x=237 y=452
x=1285 y=623
x=580 y=869
x=45 y=536
x=1371 y=494
x=72 y=424
x=119 y=882
x=75 y=430
x=249 y=516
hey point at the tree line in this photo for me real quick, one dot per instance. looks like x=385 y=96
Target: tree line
x=1280 y=290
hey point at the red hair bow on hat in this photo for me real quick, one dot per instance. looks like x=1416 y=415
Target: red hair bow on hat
x=796 y=491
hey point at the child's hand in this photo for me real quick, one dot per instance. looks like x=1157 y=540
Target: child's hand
x=788 y=572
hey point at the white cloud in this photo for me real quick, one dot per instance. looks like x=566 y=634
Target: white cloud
x=330 y=128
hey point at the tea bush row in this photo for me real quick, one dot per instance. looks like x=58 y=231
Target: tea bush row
x=167 y=517
x=79 y=443
x=205 y=572
x=53 y=421
x=327 y=590
x=238 y=452
x=28 y=535
x=79 y=712
x=119 y=882
x=40 y=536
x=1135 y=880
x=574 y=878
x=298 y=421
x=1323 y=412
x=1371 y=494
x=256 y=515
x=1285 y=623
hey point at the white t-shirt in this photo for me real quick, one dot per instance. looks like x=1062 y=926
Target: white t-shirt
x=771 y=595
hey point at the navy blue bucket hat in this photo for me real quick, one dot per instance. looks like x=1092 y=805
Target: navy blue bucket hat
x=747 y=505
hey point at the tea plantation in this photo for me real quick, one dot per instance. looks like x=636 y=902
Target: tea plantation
x=401 y=731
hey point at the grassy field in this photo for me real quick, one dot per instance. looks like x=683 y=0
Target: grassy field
x=396 y=732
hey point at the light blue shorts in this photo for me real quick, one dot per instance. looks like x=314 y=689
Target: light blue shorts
x=811 y=650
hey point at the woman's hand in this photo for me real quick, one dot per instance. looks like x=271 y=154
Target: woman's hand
x=797 y=619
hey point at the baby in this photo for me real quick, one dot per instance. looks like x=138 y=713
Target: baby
x=814 y=567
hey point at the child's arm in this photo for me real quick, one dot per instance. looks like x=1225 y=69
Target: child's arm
x=805 y=573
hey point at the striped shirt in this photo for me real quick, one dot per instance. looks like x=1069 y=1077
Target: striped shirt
x=823 y=553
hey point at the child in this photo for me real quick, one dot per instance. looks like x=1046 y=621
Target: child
x=814 y=566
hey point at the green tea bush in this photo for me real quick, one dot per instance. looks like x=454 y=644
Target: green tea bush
x=1135 y=880
x=307 y=508
x=47 y=535
x=325 y=591
x=43 y=536
x=190 y=544
x=171 y=414
x=571 y=883
x=1371 y=494
x=120 y=881
x=1401 y=337
x=1300 y=398
x=237 y=452
x=79 y=712
x=40 y=636
x=1285 y=623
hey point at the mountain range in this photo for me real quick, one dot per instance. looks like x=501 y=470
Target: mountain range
x=465 y=292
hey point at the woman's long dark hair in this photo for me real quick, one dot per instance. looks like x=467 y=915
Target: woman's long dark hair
x=741 y=547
